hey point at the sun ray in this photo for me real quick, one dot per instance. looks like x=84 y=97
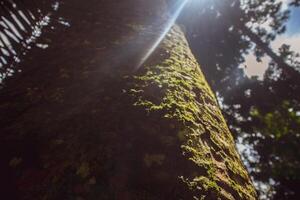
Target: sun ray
x=178 y=9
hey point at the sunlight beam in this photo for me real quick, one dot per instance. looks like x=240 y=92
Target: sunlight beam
x=168 y=26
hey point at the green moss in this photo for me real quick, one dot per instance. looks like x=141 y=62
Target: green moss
x=175 y=87
x=136 y=27
x=83 y=170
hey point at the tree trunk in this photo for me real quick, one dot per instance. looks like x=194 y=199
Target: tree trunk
x=88 y=119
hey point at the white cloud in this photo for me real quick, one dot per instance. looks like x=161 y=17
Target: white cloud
x=292 y=40
x=285 y=4
x=255 y=68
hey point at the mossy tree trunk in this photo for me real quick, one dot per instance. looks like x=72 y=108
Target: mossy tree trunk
x=85 y=123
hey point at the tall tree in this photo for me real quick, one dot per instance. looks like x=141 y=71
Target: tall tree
x=231 y=31
x=114 y=110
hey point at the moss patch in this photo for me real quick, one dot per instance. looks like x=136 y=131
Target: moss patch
x=174 y=87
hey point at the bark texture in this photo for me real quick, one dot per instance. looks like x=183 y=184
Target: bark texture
x=86 y=123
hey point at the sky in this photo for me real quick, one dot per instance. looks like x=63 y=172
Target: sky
x=290 y=37
x=294 y=23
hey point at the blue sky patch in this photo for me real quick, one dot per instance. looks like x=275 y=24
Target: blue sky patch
x=293 y=25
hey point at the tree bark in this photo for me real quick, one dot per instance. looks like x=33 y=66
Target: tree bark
x=86 y=121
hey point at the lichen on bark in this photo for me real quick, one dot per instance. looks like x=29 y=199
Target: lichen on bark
x=173 y=85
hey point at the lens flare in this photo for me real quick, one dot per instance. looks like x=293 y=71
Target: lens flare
x=178 y=9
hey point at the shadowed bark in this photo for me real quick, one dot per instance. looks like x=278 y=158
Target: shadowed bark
x=85 y=121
